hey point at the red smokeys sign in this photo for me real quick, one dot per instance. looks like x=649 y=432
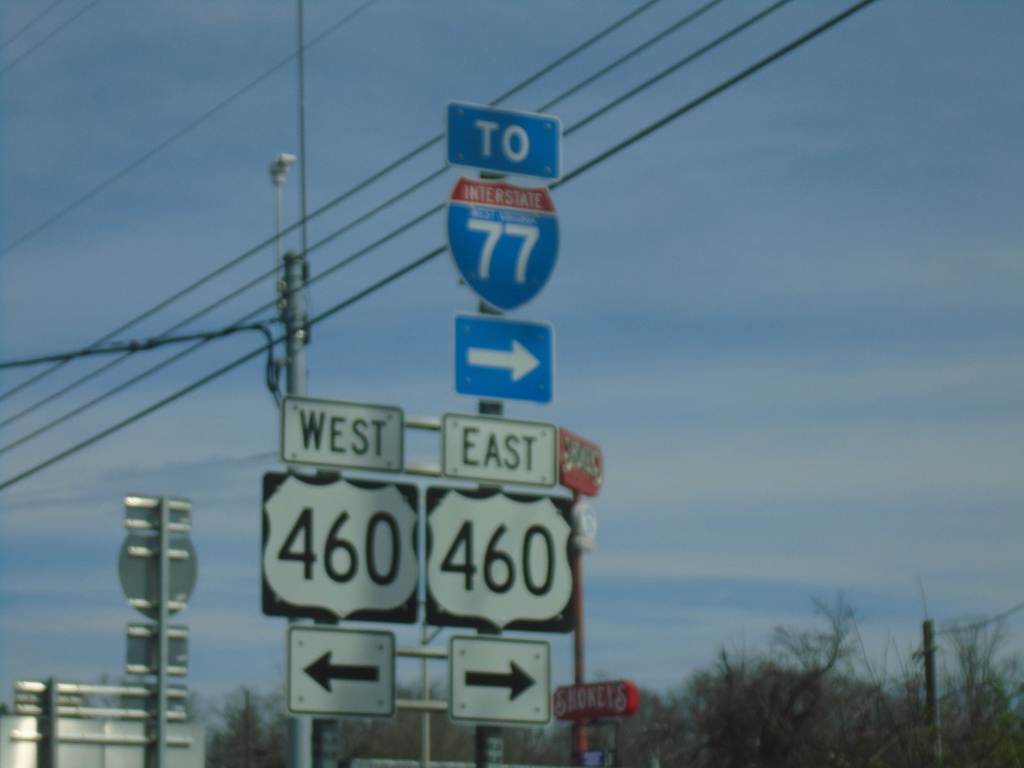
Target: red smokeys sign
x=580 y=463
x=594 y=701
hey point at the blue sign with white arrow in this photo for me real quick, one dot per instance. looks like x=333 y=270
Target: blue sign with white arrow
x=504 y=359
x=504 y=141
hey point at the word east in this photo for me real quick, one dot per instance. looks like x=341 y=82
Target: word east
x=507 y=453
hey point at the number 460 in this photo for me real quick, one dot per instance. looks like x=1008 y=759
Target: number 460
x=494 y=230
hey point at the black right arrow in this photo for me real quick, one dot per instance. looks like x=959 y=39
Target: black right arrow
x=322 y=671
x=516 y=680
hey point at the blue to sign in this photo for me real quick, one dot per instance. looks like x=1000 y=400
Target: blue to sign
x=503 y=238
x=504 y=141
x=505 y=359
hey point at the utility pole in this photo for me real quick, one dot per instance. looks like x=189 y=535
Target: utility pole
x=931 y=690
x=290 y=283
x=300 y=727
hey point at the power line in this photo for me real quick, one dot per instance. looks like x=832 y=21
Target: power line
x=30 y=24
x=713 y=92
x=128 y=169
x=215 y=374
x=133 y=346
x=635 y=52
x=117 y=176
x=678 y=65
x=203 y=339
x=575 y=173
x=43 y=41
x=982 y=623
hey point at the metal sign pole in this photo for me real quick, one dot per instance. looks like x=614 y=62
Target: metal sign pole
x=162 y=622
x=51 y=736
x=579 y=727
x=489 y=743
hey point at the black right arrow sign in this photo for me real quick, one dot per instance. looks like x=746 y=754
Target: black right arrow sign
x=516 y=680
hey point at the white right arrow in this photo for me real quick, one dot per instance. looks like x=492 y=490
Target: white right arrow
x=519 y=361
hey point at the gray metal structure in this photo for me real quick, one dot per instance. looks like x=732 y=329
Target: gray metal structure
x=159 y=532
x=81 y=725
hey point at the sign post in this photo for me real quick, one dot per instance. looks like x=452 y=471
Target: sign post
x=159 y=537
x=581 y=470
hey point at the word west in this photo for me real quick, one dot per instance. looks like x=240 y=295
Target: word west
x=338 y=435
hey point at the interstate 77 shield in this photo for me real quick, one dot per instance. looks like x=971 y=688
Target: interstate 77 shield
x=503 y=239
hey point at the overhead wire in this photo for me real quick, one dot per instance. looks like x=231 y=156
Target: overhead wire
x=121 y=174
x=204 y=338
x=319 y=211
x=430 y=255
x=981 y=623
x=44 y=40
x=134 y=164
x=615 y=149
x=678 y=65
x=31 y=23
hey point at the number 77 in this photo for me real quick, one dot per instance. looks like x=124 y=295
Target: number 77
x=494 y=230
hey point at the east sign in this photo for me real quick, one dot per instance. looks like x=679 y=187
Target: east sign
x=498 y=450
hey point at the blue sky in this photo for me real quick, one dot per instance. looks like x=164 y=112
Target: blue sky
x=793 y=318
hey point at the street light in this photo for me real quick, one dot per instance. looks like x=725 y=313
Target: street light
x=278 y=172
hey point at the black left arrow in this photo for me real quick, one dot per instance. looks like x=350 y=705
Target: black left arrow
x=322 y=671
x=516 y=680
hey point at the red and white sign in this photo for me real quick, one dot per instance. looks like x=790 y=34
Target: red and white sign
x=502 y=195
x=580 y=463
x=594 y=701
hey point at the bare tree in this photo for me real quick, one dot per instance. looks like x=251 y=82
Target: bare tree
x=982 y=705
x=249 y=730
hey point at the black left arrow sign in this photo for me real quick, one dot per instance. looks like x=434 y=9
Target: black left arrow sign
x=323 y=672
x=516 y=680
